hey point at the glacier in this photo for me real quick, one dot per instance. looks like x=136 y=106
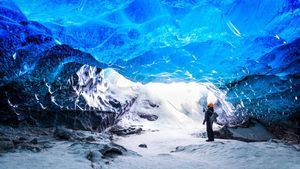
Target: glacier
x=246 y=50
x=123 y=83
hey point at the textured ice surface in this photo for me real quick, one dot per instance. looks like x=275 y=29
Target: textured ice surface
x=160 y=39
x=176 y=55
x=250 y=49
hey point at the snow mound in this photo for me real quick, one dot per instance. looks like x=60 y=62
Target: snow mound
x=177 y=104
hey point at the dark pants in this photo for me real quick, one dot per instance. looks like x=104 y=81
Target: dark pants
x=209 y=130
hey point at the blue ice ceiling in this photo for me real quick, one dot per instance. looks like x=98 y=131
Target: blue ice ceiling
x=158 y=40
x=249 y=48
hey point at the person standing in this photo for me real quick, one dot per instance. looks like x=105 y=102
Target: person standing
x=207 y=119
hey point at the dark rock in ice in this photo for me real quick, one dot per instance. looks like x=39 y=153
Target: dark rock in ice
x=287 y=131
x=90 y=138
x=18 y=141
x=250 y=131
x=62 y=133
x=6 y=145
x=24 y=138
x=112 y=151
x=150 y=117
x=143 y=146
x=101 y=153
x=28 y=146
x=96 y=150
x=121 y=131
x=151 y=104
x=94 y=156
x=34 y=141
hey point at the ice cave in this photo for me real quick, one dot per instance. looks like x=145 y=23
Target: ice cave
x=130 y=84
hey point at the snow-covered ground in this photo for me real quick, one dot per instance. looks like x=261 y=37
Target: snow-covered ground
x=166 y=149
x=171 y=140
x=177 y=149
x=58 y=157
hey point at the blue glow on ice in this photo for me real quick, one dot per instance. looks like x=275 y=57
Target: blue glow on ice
x=250 y=49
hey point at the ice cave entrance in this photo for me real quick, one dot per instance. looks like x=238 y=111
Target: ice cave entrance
x=177 y=104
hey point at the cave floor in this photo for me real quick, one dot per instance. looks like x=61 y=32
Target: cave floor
x=174 y=149
x=165 y=149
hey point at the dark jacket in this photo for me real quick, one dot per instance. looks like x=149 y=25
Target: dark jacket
x=208 y=113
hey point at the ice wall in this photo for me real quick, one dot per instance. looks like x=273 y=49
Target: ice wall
x=249 y=49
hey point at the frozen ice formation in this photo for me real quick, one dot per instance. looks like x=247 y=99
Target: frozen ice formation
x=247 y=50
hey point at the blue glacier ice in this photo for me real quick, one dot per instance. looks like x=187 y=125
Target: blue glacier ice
x=248 y=49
